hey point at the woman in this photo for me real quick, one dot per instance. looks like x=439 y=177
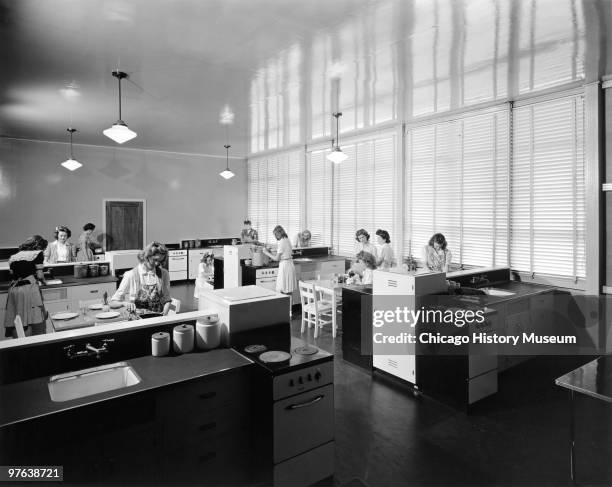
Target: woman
x=435 y=254
x=285 y=281
x=363 y=242
x=24 y=296
x=302 y=239
x=86 y=245
x=248 y=234
x=147 y=286
x=366 y=263
x=206 y=274
x=61 y=250
x=384 y=256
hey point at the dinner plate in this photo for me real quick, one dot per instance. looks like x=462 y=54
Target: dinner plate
x=64 y=316
x=107 y=315
x=96 y=306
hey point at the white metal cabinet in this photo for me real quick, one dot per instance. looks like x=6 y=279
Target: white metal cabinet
x=329 y=268
x=56 y=299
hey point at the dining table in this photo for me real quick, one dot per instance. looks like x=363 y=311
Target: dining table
x=71 y=320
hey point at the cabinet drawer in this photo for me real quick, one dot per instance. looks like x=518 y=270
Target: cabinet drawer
x=91 y=291
x=54 y=294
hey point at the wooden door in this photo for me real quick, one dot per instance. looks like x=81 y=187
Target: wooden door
x=124 y=225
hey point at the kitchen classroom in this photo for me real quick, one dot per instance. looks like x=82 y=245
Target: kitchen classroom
x=360 y=243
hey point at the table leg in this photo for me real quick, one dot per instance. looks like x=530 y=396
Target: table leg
x=572 y=439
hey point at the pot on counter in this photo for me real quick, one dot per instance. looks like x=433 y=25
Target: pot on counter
x=80 y=270
x=94 y=270
x=104 y=269
x=259 y=258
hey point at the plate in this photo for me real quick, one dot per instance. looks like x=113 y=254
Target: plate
x=107 y=315
x=64 y=316
x=96 y=306
x=116 y=304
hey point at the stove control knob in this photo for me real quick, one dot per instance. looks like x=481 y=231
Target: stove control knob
x=309 y=377
x=317 y=375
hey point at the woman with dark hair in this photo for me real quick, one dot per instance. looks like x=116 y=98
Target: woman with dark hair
x=24 y=296
x=61 y=250
x=285 y=281
x=436 y=256
x=248 y=233
x=384 y=256
x=147 y=286
x=363 y=242
x=86 y=245
x=366 y=263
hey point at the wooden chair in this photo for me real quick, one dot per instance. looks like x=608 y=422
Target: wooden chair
x=313 y=311
x=19 y=327
x=175 y=306
x=328 y=298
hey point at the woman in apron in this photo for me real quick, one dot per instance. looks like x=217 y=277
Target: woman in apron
x=147 y=286
x=286 y=280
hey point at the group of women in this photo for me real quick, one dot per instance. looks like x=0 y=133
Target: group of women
x=61 y=250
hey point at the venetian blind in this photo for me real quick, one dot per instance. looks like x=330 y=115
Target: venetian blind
x=547 y=188
x=456 y=175
x=364 y=193
x=319 y=197
x=275 y=193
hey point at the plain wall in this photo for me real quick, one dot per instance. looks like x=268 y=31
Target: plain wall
x=185 y=196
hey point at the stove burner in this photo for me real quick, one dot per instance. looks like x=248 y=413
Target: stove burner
x=274 y=356
x=255 y=348
x=306 y=350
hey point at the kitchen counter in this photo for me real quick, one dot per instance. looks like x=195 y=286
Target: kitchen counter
x=302 y=260
x=520 y=290
x=22 y=401
x=68 y=281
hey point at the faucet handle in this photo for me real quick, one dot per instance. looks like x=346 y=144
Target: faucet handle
x=108 y=340
x=69 y=349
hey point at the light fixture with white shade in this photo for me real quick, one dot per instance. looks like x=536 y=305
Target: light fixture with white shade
x=71 y=164
x=119 y=132
x=227 y=174
x=336 y=155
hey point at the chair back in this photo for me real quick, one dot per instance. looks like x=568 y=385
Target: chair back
x=307 y=293
x=175 y=306
x=19 y=327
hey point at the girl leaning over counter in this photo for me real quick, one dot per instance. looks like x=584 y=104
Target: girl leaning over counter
x=436 y=255
x=147 y=286
x=61 y=250
x=286 y=279
x=86 y=245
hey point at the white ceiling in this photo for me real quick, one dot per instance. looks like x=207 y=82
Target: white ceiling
x=187 y=59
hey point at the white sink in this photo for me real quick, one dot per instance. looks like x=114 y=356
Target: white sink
x=302 y=259
x=82 y=383
x=498 y=292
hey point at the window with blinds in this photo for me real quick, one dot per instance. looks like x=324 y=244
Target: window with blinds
x=364 y=195
x=275 y=193
x=547 y=189
x=319 y=197
x=457 y=181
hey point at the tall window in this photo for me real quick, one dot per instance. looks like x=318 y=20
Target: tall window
x=457 y=180
x=364 y=195
x=319 y=197
x=547 y=190
x=275 y=193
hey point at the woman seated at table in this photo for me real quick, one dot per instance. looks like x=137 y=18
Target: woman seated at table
x=147 y=286
x=24 y=296
x=364 y=269
x=61 y=250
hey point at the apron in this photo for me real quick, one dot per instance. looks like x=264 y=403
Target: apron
x=148 y=296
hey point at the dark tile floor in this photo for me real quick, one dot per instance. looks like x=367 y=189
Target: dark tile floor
x=387 y=437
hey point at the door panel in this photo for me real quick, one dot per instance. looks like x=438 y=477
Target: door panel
x=124 y=225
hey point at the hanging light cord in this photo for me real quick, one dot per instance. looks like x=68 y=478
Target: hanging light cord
x=71 y=130
x=119 y=80
x=337 y=115
x=227 y=147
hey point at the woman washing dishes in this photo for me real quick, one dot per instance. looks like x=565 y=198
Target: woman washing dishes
x=61 y=250
x=86 y=245
x=435 y=254
x=286 y=280
x=147 y=286
x=384 y=256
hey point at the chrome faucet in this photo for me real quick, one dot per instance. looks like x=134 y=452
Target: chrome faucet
x=90 y=350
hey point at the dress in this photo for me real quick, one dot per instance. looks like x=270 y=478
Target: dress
x=437 y=261
x=51 y=253
x=365 y=247
x=385 y=257
x=85 y=248
x=205 y=279
x=146 y=289
x=247 y=236
x=286 y=280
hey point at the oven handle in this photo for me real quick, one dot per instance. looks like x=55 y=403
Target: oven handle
x=307 y=403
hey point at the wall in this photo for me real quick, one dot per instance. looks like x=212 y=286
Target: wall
x=185 y=196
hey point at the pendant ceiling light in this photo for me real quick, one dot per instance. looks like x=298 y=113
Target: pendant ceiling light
x=119 y=132
x=336 y=155
x=227 y=174
x=71 y=164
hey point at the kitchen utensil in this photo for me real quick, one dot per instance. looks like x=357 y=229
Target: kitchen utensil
x=64 y=316
x=96 y=306
x=107 y=315
x=80 y=270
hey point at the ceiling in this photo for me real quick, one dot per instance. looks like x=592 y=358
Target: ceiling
x=188 y=59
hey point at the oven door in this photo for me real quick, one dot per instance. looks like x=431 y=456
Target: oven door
x=303 y=422
x=266 y=282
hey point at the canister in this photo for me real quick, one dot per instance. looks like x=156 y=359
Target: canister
x=182 y=338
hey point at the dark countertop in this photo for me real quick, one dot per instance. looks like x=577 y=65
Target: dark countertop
x=520 y=290
x=68 y=281
x=30 y=399
x=299 y=260
x=593 y=379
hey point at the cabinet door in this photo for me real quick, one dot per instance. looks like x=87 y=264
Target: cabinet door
x=89 y=292
x=56 y=299
x=327 y=269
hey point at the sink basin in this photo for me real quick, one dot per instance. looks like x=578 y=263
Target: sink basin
x=498 y=292
x=82 y=383
x=302 y=259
